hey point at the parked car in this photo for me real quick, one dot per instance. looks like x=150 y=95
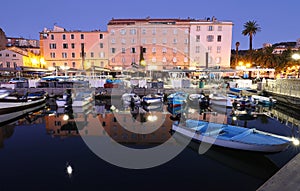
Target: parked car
x=16 y=80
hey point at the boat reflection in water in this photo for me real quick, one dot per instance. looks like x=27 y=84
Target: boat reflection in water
x=251 y=163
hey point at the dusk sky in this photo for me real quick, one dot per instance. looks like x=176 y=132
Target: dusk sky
x=280 y=21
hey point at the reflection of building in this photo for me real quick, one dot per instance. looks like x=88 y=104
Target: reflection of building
x=5 y=132
x=56 y=126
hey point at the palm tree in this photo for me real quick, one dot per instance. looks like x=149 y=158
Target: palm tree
x=250 y=29
x=237 y=44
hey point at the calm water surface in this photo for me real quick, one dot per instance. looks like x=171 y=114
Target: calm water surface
x=36 y=150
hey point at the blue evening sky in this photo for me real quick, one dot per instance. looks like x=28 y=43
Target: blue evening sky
x=279 y=20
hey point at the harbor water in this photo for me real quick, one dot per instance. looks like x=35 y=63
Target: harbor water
x=47 y=150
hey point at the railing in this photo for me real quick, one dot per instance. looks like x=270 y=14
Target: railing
x=290 y=87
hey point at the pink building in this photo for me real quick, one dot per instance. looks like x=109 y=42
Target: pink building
x=156 y=44
x=74 y=49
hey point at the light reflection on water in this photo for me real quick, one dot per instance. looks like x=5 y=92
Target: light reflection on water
x=35 y=153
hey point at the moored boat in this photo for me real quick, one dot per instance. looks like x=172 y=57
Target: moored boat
x=233 y=137
x=153 y=99
x=13 y=108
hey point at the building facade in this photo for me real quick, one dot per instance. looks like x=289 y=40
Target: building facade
x=74 y=49
x=210 y=43
x=150 y=44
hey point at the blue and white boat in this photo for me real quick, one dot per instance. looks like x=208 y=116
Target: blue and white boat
x=177 y=99
x=233 y=137
x=267 y=101
x=153 y=99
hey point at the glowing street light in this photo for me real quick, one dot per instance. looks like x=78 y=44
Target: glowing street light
x=296 y=57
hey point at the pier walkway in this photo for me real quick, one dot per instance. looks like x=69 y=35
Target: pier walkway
x=287 y=178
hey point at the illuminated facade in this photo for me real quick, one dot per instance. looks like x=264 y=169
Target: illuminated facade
x=75 y=49
x=156 y=44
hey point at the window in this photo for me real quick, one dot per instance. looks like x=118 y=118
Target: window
x=52 y=54
x=154 y=41
x=73 y=54
x=175 y=31
x=186 y=41
x=123 y=50
x=73 y=45
x=14 y=55
x=186 y=50
x=219 y=28
x=66 y=64
x=64 y=55
x=164 y=41
x=153 y=49
x=144 y=50
x=123 y=41
x=164 y=59
x=15 y=64
x=174 y=50
x=102 y=64
x=209 y=49
x=154 y=31
x=153 y=59
x=52 y=46
x=101 y=45
x=53 y=64
x=101 y=54
x=197 y=49
x=113 y=41
x=113 y=60
x=132 y=50
x=174 y=59
x=7 y=55
x=72 y=36
x=164 y=31
x=101 y=36
x=92 y=54
x=133 y=41
x=210 y=38
x=143 y=31
x=186 y=31
x=113 y=50
x=123 y=31
x=133 y=31
x=81 y=36
x=198 y=28
x=74 y=64
x=164 y=49
x=144 y=41
x=0 y=55
x=112 y=32
x=123 y=60
x=8 y=64
x=174 y=40
x=197 y=38
x=52 y=37
x=219 y=39
x=218 y=49
x=64 y=37
x=218 y=60
x=210 y=28
x=83 y=54
x=65 y=45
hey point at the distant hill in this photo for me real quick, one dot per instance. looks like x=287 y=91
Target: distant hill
x=286 y=44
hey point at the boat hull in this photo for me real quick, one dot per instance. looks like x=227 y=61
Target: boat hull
x=229 y=144
x=14 y=111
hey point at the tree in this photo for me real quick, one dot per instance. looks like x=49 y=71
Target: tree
x=250 y=29
x=237 y=44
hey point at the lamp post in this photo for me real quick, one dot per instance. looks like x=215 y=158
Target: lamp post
x=296 y=57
